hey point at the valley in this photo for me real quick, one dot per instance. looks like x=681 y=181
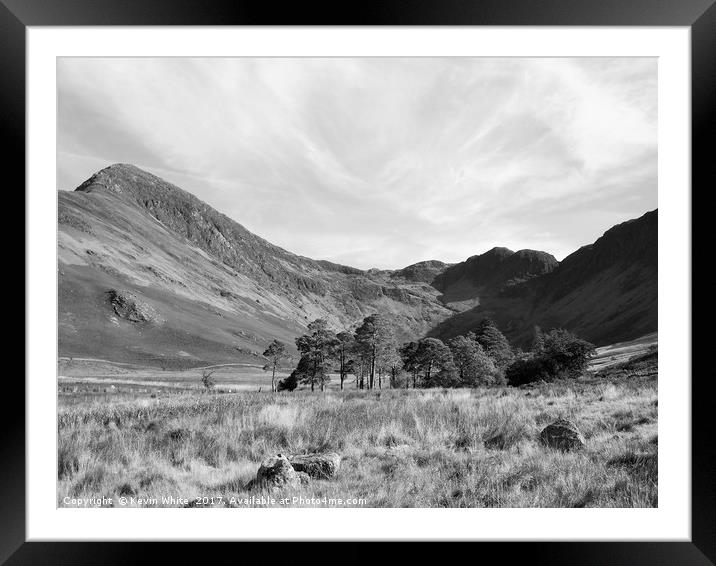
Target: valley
x=157 y=291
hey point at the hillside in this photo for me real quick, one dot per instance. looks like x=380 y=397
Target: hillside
x=605 y=292
x=150 y=274
x=220 y=292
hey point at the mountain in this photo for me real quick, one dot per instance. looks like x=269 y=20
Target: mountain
x=492 y=272
x=605 y=292
x=148 y=273
x=220 y=292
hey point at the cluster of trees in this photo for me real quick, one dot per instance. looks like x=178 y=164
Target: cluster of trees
x=372 y=354
x=369 y=354
x=557 y=354
x=479 y=358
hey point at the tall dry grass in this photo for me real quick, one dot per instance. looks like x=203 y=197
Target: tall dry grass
x=424 y=448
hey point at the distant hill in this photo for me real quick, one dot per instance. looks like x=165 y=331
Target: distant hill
x=425 y=271
x=149 y=273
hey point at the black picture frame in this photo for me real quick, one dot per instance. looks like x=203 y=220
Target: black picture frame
x=699 y=15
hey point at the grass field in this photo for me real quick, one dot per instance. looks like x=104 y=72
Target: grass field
x=415 y=448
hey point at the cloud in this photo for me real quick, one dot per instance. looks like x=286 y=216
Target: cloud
x=379 y=162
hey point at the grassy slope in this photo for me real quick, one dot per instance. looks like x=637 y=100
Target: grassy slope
x=623 y=352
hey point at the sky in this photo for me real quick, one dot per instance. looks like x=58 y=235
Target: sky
x=378 y=162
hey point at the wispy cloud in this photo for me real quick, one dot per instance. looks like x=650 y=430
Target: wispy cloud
x=379 y=162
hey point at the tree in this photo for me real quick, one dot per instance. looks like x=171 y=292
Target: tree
x=388 y=364
x=528 y=370
x=387 y=361
x=344 y=349
x=447 y=376
x=568 y=354
x=207 y=380
x=393 y=367
x=291 y=382
x=275 y=353
x=494 y=343
x=360 y=364
x=411 y=362
x=433 y=357
x=376 y=339
x=473 y=365
x=559 y=355
x=317 y=347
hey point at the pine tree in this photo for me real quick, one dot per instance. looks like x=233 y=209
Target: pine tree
x=494 y=343
x=318 y=348
x=344 y=348
x=376 y=340
x=275 y=352
x=396 y=369
x=473 y=365
x=411 y=363
x=433 y=357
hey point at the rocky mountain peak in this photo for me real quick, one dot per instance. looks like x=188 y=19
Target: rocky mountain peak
x=497 y=267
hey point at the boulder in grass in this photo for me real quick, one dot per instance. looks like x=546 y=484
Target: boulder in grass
x=276 y=472
x=562 y=434
x=320 y=466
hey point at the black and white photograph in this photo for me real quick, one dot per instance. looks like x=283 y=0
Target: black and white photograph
x=357 y=282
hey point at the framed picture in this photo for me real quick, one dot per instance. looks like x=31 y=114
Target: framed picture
x=399 y=277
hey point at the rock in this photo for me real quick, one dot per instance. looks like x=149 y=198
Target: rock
x=321 y=466
x=130 y=307
x=562 y=434
x=276 y=472
x=127 y=490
